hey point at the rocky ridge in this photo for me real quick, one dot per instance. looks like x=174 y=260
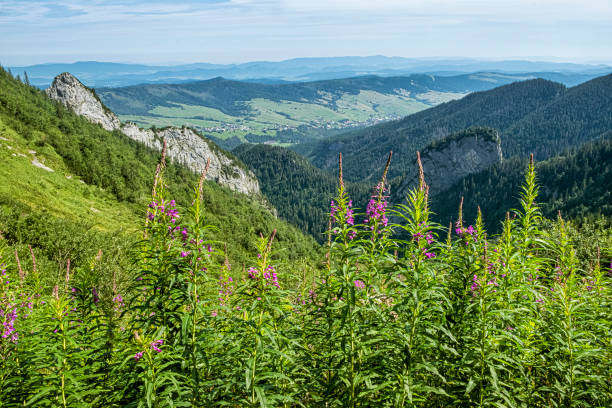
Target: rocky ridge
x=452 y=158
x=81 y=100
x=184 y=145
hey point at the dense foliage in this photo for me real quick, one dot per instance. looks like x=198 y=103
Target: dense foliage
x=442 y=318
x=535 y=116
x=298 y=190
x=577 y=182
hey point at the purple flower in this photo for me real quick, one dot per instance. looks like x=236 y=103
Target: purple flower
x=376 y=212
x=359 y=284
x=156 y=344
x=138 y=356
x=475 y=285
x=430 y=255
x=333 y=209
x=184 y=254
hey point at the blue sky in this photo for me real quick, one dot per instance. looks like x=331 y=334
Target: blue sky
x=229 y=31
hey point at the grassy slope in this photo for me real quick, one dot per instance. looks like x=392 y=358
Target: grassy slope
x=60 y=193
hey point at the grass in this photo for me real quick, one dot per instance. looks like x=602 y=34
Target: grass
x=57 y=192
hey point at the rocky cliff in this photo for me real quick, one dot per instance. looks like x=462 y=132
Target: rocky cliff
x=82 y=100
x=184 y=145
x=450 y=159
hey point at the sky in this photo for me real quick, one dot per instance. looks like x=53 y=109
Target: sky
x=233 y=31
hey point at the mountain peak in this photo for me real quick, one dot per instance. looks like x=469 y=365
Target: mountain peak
x=68 y=90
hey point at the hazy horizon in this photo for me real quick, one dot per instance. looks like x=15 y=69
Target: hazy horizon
x=161 y=32
x=555 y=60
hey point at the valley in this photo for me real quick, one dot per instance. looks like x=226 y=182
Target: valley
x=232 y=112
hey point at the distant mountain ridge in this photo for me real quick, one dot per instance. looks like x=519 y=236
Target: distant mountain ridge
x=100 y=74
x=227 y=95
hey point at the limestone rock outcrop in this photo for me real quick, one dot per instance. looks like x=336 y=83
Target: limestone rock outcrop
x=184 y=145
x=450 y=159
x=81 y=100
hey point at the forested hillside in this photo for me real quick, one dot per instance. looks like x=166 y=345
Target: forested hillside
x=115 y=167
x=577 y=182
x=536 y=116
x=299 y=191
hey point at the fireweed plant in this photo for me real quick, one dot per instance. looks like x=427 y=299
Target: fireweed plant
x=403 y=313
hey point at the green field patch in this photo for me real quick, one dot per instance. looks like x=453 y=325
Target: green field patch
x=436 y=98
x=60 y=193
x=193 y=112
x=291 y=113
x=370 y=104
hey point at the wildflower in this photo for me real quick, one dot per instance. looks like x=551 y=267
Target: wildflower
x=429 y=237
x=138 y=356
x=376 y=211
x=156 y=344
x=350 y=220
x=475 y=285
x=430 y=255
x=333 y=209
x=359 y=284
x=184 y=254
x=118 y=301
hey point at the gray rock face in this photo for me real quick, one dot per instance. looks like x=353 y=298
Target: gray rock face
x=451 y=159
x=184 y=145
x=75 y=96
x=188 y=148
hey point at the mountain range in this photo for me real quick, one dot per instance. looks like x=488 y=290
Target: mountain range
x=102 y=74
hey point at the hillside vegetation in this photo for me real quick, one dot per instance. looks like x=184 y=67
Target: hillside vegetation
x=104 y=178
x=536 y=116
x=299 y=191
